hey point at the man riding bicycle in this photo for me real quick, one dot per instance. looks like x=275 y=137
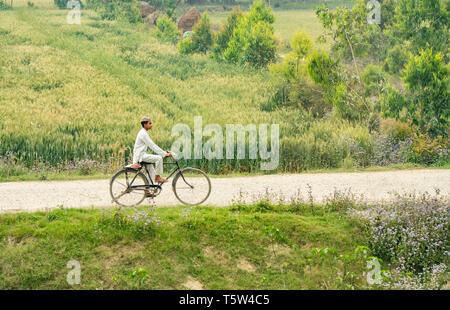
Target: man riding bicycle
x=143 y=141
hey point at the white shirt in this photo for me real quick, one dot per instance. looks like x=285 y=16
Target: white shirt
x=140 y=146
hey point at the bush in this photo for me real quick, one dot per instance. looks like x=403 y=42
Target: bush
x=387 y=151
x=396 y=60
x=62 y=4
x=373 y=79
x=253 y=42
x=411 y=232
x=301 y=45
x=113 y=10
x=328 y=73
x=428 y=150
x=226 y=33
x=166 y=30
x=4 y=6
x=425 y=103
x=201 y=40
x=397 y=130
x=427 y=80
x=186 y=46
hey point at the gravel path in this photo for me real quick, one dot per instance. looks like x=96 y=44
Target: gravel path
x=44 y=195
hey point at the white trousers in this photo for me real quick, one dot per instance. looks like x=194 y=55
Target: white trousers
x=157 y=160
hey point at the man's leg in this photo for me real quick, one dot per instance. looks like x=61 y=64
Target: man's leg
x=158 y=161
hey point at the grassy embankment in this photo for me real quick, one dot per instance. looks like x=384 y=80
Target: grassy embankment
x=216 y=248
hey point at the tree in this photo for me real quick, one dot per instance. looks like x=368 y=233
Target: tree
x=226 y=33
x=252 y=42
x=426 y=102
x=351 y=33
x=422 y=22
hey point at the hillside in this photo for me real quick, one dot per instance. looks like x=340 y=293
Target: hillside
x=81 y=90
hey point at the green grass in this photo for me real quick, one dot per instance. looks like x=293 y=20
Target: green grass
x=222 y=248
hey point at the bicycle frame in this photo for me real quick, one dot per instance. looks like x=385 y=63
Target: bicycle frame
x=148 y=176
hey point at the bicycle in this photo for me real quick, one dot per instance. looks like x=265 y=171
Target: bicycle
x=128 y=186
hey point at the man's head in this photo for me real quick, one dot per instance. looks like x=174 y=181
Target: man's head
x=146 y=122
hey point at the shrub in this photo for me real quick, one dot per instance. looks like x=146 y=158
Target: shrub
x=396 y=60
x=253 y=42
x=427 y=80
x=123 y=9
x=373 y=79
x=397 y=130
x=166 y=30
x=226 y=33
x=411 y=231
x=426 y=102
x=186 y=46
x=201 y=40
x=387 y=151
x=323 y=69
x=62 y=4
x=4 y=6
x=328 y=73
x=430 y=150
x=301 y=44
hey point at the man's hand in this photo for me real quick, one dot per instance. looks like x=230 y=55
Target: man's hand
x=168 y=154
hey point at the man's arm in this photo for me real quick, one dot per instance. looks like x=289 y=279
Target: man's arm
x=149 y=142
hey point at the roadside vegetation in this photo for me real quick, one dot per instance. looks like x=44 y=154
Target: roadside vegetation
x=265 y=242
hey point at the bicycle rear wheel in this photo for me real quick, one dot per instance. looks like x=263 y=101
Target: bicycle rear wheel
x=123 y=188
x=191 y=186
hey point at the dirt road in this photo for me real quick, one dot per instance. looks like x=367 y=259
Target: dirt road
x=44 y=195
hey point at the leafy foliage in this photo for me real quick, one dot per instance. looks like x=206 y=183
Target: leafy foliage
x=201 y=40
x=426 y=103
x=253 y=41
x=227 y=31
x=328 y=72
x=118 y=9
x=4 y=6
x=424 y=23
x=396 y=60
x=373 y=79
x=166 y=30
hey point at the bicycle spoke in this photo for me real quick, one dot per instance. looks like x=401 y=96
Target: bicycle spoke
x=123 y=194
x=193 y=187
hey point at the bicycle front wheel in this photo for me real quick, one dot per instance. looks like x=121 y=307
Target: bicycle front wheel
x=127 y=187
x=191 y=186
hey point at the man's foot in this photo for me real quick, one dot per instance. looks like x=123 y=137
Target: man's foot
x=158 y=179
